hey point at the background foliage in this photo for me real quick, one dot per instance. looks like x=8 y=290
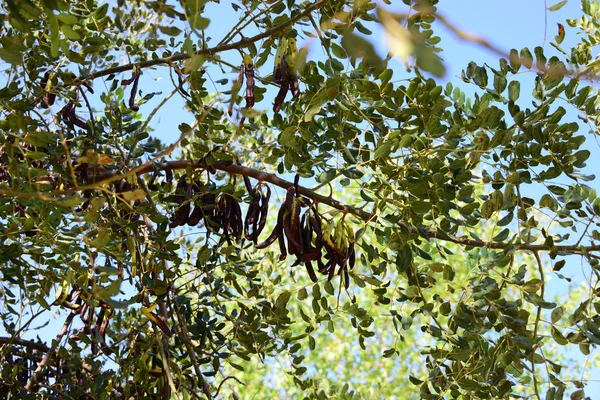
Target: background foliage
x=456 y=207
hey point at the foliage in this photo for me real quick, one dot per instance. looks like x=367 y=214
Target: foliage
x=418 y=261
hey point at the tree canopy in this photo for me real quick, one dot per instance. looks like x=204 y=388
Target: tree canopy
x=317 y=224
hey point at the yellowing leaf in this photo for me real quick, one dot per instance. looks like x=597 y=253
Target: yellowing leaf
x=104 y=160
x=561 y=34
x=70 y=201
x=557 y=6
x=398 y=39
x=90 y=157
x=147 y=311
x=156 y=320
x=193 y=63
x=137 y=194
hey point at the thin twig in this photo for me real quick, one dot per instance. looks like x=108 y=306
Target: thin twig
x=50 y=353
x=224 y=47
x=223 y=381
x=192 y=354
x=537 y=322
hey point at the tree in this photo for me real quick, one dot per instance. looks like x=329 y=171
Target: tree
x=370 y=237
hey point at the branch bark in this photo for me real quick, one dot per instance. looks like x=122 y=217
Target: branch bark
x=6 y=340
x=262 y=176
x=50 y=353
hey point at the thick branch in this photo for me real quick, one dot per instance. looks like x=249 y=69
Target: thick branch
x=5 y=340
x=224 y=47
x=362 y=214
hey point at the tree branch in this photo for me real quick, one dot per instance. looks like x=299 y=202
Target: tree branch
x=217 y=49
x=50 y=353
x=262 y=176
x=5 y=340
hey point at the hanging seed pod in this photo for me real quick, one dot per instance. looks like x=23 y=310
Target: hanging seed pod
x=135 y=77
x=285 y=72
x=228 y=218
x=278 y=71
x=256 y=216
x=46 y=83
x=183 y=193
x=249 y=73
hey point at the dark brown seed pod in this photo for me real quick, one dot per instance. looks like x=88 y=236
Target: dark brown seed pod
x=283 y=70
x=150 y=184
x=208 y=206
x=264 y=208
x=351 y=256
x=316 y=226
x=285 y=86
x=256 y=214
x=330 y=269
x=180 y=81
x=346 y=278
x=133 y=93
x=68 y=115
x=181 y=216
x=311 y=271
x=295 y=86
x=169 y=175
x=43 y=84
x=271 y=239
x=183 y=192
x=248 y=186
x=80 y=123
x=180 y=190
x=282 y=249
x=228 y=218
x=67 y=111
x=237 y=227
x=195 y=217
x=252 y=216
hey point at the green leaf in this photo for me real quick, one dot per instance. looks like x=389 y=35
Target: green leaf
x=194 y=63
x=101 y=239
x=70 y=33
x=170 y=30
x=526 y=58
x=326 y=176
x=514 y=89
x=198 y=22
x=502 y=235
x=67 y=19
x=481 y=77
x=352 y=173
x=358 y=47
x=557 y=314
x=384 y=149
x=12 y=49
x=302 y=294
x=312 y=111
